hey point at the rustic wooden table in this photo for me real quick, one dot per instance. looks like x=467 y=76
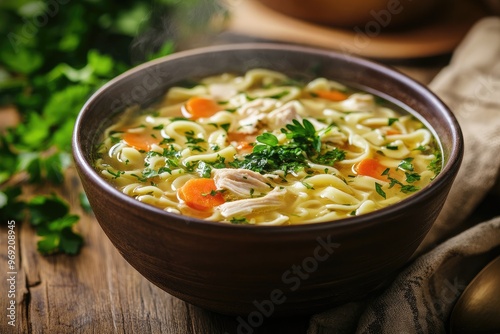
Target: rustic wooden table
x=97 y=291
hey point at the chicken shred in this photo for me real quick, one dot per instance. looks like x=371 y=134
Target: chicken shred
x=241 y=183
x=272 y=201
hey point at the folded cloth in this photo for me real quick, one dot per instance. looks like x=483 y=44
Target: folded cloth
x=421 y=298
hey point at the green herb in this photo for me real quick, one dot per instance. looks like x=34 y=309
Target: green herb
x=304 y=135
x=239 y=221
x=378 y=189
x=412 y=177
x=159 y=127
x=141 y=179
x=279 y=95
x=385 y=172
x=391 y=121
x=308 y=185
x=406 y=164
x=304 y=143
x=268 y=139
x=265 y=159
x=391 y=147
x=49 y=75
x=10 y=205
x=204 y=168
x=225 y=126
x=420 y=148
x=409 y=188
x=116 y=174
x=330 y=157
x=54 y=224
x=436 y=164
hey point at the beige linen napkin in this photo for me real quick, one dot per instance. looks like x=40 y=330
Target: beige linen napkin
x=422 y=296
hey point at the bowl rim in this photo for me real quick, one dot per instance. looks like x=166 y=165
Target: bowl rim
x=446 y=175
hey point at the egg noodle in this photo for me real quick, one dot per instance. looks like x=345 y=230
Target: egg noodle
x=261 y=148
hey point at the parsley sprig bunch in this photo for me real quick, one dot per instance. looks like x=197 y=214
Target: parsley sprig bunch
x=304 y=146
x=47 y=72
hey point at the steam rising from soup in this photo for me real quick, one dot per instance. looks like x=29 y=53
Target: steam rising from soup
x=261 y=148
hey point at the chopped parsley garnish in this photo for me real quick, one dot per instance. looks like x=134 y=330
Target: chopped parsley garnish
x=436 y=164
x=304 y=145
x=279 y=95
x=391 y=121
x=266 y=158
x=330 y=157
x=167 y=141
x=308 y=185
x=238 y=221
x=406 y=164
x=204 y=168
x=378 y=189
x=412 y=177
x=392 y=147
x=268 y=139
x=420 y=148
x=116 y=174
x=409 y=188
x=304 y=135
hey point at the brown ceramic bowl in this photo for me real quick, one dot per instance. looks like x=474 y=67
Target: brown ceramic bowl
x=348 y=14
x=238 y=269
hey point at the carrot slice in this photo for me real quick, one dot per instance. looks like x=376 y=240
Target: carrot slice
x=244 y=147
x=198 y=107
x=242 y=141
x=140 y=141
x=333 y=95
x=371 y=167
x=200 y=194
x=393 y=132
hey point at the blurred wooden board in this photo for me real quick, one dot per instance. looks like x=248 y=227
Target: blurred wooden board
x=441 y=36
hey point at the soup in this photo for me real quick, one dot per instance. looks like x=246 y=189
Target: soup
x=261 y=148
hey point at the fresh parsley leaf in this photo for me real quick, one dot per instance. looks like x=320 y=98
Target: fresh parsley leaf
x=304 y=135
x=409 y=188
x=406 y=164
x=378 y=189
x=44 y=208
x=10 y=205
x=391 y=121
x=420 y=148
x=50 y=216
x=279 y=95
x=412 y=177
x=239 y=221
x=436 y=164
x=8 y=162
x=330 y=157
x=268 y=139
x=266 y=159
x=116 y=174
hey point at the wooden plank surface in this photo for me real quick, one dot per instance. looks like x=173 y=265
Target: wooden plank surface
x=97 y=291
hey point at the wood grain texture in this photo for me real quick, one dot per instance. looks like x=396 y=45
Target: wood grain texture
x=97 y=291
